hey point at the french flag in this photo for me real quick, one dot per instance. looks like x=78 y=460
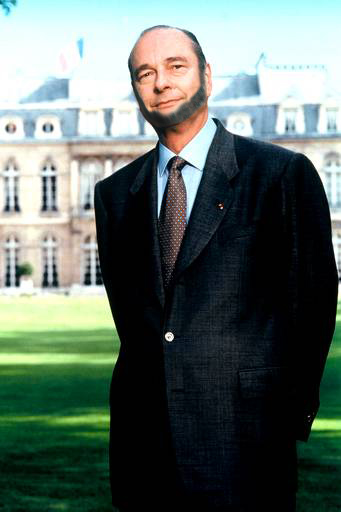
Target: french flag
x=71 y=56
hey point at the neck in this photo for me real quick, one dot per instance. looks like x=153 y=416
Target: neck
x=178 y=136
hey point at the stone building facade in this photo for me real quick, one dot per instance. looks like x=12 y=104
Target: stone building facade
x=51 y=155
x=53 y=149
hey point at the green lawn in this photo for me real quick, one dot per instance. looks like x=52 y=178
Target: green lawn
x=56 y=356
x=320 y=458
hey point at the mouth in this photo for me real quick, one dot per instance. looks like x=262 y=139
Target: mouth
x=165 y=104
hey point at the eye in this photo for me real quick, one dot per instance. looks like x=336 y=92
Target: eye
x=144 y=76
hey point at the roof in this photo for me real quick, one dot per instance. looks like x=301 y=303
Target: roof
x=240 y=86
x=52 y=89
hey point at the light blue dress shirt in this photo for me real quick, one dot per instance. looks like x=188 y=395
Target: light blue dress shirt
x=195 y=153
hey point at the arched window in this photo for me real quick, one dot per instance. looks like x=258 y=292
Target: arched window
x=49 y=258
x=332 y=179
x=91 y=171
x=91 y=268
x=11 y=262
x=11 y=187
x=49 y=187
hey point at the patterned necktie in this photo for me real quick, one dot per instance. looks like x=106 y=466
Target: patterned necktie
x=172 y=221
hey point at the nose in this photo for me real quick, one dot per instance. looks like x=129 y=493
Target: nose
x=161 y=81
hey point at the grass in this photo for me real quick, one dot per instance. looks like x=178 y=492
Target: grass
x=57 y=355
x=320 y=458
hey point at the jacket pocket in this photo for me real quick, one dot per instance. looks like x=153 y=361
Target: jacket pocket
x=263 y=382
x=236 y=231
x=264 y=409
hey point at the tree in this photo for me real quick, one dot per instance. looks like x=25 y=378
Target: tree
x=25 y=269
x=7 y=5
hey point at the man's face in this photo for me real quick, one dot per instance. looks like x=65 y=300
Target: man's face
x=167 y=82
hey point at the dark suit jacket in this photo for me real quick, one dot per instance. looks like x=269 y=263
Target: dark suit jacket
x=252 y=311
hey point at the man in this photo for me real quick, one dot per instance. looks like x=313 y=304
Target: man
x=221 y=278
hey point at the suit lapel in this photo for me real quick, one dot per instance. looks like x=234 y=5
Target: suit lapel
x=144 y=192
x=213 y=198
x=212 y=202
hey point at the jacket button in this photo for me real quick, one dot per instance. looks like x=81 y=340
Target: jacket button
x=169 y=336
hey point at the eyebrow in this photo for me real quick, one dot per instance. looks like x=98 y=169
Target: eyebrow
x=168 y=60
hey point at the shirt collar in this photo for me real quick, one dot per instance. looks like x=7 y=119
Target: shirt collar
x=195 y=152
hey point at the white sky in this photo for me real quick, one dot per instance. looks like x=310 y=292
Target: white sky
x=233 y=34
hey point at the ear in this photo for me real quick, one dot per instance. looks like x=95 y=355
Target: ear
x=208 y=80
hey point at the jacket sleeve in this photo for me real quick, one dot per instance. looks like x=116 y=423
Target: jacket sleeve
x=312 y=285
x=102 y=238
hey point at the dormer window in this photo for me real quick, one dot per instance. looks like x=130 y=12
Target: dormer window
x=290 y=118
x=330 y=117
x=290 y=115
x=48 y=127
x=240 y=123
x=332 y=114
x=91 y=122
x=11 y=128
x=124 y=120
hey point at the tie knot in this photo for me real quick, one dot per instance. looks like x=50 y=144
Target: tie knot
x=176 y=164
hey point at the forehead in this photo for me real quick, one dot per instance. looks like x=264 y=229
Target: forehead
x=161 y=44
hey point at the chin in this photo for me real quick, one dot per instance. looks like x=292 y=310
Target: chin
x=183 y=112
